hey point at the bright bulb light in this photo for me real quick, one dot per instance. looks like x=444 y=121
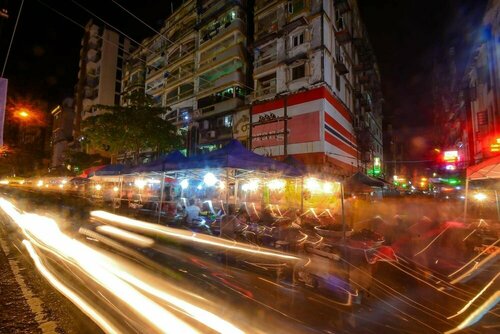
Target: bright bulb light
x=39 y=183
x=276 y=184
x=98 y=187
x=328 y=188
x=199 y=187
x=252 y=185
x=115 y=189
x=209 y=179
x=312 y=185
x=61 y=186
x=480 y=197
x=140 y=183
x=64 y=181
x=222 y=185
x=4 y=182
x=184 y=183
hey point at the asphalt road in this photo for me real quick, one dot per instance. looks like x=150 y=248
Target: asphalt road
x=402 y=299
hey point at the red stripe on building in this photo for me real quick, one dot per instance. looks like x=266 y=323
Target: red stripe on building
x=268 y=106
x=303 y=97
x=341 y=145
x=338 y=127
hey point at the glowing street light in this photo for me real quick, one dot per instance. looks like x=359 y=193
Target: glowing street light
x=209 y=179
x=480 y=197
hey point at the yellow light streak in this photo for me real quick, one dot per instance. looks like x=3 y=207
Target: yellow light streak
x=72 y=296
x=133 y=238
x=475 y=297
x=189 y=236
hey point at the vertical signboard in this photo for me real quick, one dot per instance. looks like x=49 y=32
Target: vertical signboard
x=3 y=103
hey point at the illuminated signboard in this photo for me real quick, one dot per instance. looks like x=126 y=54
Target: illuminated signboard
x=495 y=147
x=450 y=156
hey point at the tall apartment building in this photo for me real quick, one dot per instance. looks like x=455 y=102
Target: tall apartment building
x=301 y=67
x=198 y=67
x=62 y=131
x=316 y=86
x=482 y=91
x=102 y=57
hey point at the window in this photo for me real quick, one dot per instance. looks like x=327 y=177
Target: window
x=295 y=6
x=298 y=39
x=298 y=72
x=337 y=81
x=266 y=85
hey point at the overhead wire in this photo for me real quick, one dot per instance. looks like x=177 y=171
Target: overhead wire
x=12 y=38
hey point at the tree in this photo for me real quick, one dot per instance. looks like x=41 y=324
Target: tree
x=133 y=127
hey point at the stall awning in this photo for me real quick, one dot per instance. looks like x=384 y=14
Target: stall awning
x=114 y=169
x=89 y=171
x=362 y=182
x=488 y=169
x=167 y=162
x=235 y=155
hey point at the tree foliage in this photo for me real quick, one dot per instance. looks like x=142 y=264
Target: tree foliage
x=134 y=127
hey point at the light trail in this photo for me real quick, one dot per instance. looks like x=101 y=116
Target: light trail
x=190 y=236
x=133 y=238
x=478 y=314
x=68 y=293
x=475 y=297
x=108 y=274
x=477 y=266
x=433 y=240
x=474 y=259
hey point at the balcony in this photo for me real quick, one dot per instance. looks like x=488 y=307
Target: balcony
x=153 y=88
x=93 y=56
x=179 y=97
x=264 y=91
x=340 y=66
x=342 y=6
x=362 y=67
x=236 y=24
x=342 y=35
x=92 y=82
x=235 y=51
x=234 y=77
x=216 y=133
x=220 y=107
x=261 y=4
x=213 y=8
x=95 y=42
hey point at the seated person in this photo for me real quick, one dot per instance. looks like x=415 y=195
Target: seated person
x=192 y=211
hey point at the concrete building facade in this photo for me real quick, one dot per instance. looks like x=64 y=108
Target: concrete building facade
x=62 y=131
x=482 y=91
x=102 y=58
x=316 y=86
x=301 y=67
x=198 y=66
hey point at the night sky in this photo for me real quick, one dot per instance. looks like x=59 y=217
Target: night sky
x=406 y=36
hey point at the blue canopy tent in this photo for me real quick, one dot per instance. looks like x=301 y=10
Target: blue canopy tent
x=113 y=169
x=166 y=162
x=235 y=155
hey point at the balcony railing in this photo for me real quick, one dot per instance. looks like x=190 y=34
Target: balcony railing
x=236 y=24
x=225 y=105
x=340 y=66
x=235 y=51
x=179 y=97
x=343 y=35
x=263 y=91
x=233 y=77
